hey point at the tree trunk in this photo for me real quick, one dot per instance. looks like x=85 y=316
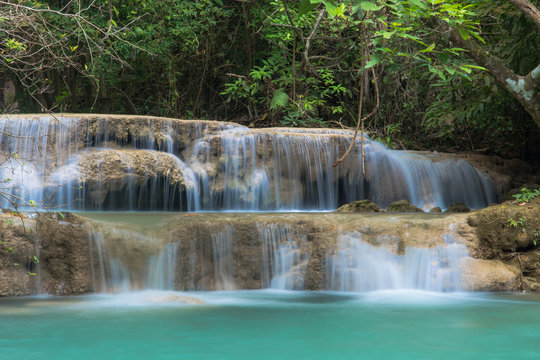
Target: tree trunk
x=526 y=89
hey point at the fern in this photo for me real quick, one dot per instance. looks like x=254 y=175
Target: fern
x=279 y=100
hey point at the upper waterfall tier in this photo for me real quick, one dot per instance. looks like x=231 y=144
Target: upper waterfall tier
x=114 y=162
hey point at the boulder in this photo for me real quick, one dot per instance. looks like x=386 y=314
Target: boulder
x=458 y=207
x=507 y=228
x=359 y=206
x=402 y=206
x=489 y=275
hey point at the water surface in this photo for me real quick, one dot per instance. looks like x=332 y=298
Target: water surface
x=272 y=325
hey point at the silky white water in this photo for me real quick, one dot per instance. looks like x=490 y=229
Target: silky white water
x=358 y=266
x=94 y=164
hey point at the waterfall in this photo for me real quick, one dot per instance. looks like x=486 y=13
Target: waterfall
x=114 y=271
x=115 y=163
x=269 y=251
x=358 y=266
x=222 y=249
x=162 y=268
x=283 y=264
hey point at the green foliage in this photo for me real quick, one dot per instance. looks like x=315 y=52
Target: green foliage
x=527 y=195
x=279 y=100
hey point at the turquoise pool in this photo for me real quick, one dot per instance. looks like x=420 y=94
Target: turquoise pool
x=272 y=325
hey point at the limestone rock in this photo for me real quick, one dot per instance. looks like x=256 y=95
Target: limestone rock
x=489 y=275
x=175 y=298
x=62 y=264
x=507 y=228
x=435 y=210
x=67 y=256
x=402 y=206
x=457 y=208
x=359 y=206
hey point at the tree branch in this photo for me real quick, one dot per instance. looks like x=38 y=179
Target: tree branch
x=524 y=88
x=528 y=9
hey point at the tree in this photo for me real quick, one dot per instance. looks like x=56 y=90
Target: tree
x=526 y=88
x=42 y=43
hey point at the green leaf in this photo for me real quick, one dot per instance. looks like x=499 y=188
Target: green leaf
x=429 y=48
x=450 y=70
x=418 y=3
x=478 y=37
x=331 y=8
x=279 y=100
x=388 y=34
x=476 y=67
x=375 y=59
x=306 y=6
x=370 y=6
x=464 y=34
x=444 y=58
x=437 y=72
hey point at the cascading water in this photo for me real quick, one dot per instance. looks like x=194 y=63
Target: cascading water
x=114 y=271
x=358 y=266
x=222 y=249
x=139 y=164
x=162 y=268
x=283 y=263
x=111 y=163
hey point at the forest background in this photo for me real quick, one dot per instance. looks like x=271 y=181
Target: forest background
x=427 y=75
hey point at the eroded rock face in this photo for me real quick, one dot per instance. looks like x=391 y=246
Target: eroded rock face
x=48 y=256
x=509 y=233
x=109 y=176
x=489 y=275
x=507 y=228
x=208 y=251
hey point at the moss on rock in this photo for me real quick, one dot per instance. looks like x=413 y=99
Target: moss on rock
x=457 y=207
x=507 y=227
x=359 y=206
x=403 y=206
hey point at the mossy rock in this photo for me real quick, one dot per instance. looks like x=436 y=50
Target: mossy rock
x=359 y=206
x=457 y=207
x=435 y=210
x=402 y=206
x=507 y=228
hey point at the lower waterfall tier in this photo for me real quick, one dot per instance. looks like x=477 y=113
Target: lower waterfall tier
x=120 y=252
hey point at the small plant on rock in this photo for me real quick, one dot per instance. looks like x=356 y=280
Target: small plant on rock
x=527 y=195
